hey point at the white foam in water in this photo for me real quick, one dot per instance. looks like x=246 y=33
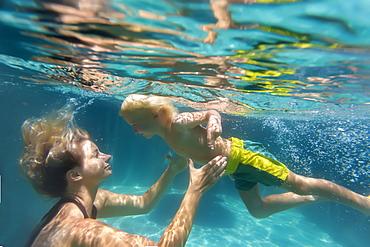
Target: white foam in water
x=340 y=146
x=287 y=228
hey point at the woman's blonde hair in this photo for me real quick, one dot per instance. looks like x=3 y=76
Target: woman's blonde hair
x=47 y=153
x=138 y=101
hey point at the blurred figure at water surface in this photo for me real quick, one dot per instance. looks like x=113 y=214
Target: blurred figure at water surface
x=84 y=37
x=249 y=164
x=97 y=26
x=61 y=161
x=223 y=16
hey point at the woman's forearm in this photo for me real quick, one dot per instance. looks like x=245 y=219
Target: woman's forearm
x=179 y=229
x=201 y=180
x=152 y=196
x=114 y=205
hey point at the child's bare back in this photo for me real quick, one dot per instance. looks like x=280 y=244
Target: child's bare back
x=192 y=143
x=183 y=132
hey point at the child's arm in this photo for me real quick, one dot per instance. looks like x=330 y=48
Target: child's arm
x=114 y=205
x=190 y=120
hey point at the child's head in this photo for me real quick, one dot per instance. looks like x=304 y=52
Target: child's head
x=155 y=104
x=147 y=114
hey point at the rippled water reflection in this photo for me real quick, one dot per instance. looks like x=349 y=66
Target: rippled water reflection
x=251 y=55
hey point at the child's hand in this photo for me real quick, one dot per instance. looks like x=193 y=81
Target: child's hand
x=214 y=129
x=178 y=164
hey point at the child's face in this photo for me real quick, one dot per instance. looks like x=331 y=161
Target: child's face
x=142 y=121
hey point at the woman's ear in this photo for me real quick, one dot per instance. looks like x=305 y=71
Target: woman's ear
x=73 y=175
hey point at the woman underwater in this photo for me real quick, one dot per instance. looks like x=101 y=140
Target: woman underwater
x=61 y=161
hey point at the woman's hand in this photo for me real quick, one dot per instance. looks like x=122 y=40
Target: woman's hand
x=204 y=178
x=178 y=164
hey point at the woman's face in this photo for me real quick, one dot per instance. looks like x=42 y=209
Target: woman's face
x=94 y=164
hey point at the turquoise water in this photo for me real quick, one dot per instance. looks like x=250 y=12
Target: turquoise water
x=236 y=228
x=293 y=75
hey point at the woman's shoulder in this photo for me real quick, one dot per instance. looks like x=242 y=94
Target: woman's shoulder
x=90 y=232
x=80 y=232
x=101 y=197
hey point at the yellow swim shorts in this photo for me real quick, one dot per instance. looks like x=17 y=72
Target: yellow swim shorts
x=249 y=168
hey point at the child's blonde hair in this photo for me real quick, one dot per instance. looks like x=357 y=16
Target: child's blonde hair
x=157 y=103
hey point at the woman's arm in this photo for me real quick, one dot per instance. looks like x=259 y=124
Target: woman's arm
x=111 y=204
x=201 y=180
x=90 y=232
x=212 y=118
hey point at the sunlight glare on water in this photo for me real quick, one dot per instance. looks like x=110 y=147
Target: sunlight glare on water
x=292 y=54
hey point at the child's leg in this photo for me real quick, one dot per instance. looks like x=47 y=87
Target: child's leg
x=323 y=188
x=262 y=208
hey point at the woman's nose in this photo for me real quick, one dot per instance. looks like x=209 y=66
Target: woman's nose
x=107 y=157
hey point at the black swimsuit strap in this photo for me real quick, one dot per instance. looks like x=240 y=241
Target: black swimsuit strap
x=54 y=211
x=77 y=203
x=94 y=212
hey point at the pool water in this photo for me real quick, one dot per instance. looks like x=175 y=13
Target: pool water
x=293 y=75
x=227 y=224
